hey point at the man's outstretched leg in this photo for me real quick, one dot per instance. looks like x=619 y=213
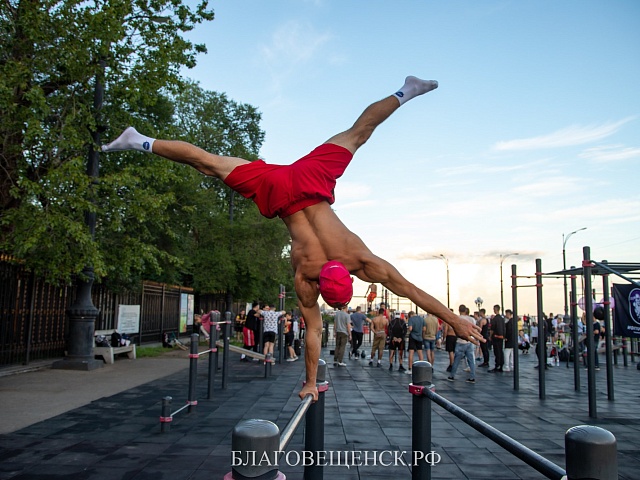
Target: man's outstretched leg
x=177 y=151
x=378 y=112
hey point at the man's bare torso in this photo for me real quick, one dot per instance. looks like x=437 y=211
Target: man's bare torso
x=379 y=323
x=317 y=236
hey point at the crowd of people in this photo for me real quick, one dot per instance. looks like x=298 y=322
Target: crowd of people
x=407 y=336
x=258 y=328
x=410 y=336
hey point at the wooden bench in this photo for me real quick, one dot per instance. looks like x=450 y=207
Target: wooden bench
x=108 y=353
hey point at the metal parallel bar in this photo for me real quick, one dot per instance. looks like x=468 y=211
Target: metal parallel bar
x=611 y=270
x=290 y=429
x=186 y=405
x=531 y=458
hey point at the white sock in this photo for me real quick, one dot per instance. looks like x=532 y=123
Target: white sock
x=130 y=139
x=413 y=87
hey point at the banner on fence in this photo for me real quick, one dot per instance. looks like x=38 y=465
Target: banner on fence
x=626 y=317
x=129 y=318
x=186 y=311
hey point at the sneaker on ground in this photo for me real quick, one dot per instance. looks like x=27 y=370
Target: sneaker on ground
x=408 y=372
x=371 y=363
x=401 y=368
x=390 y=366
x=379 y=364
x=468 y=369
x=342 y=364
x=471 y=380
x=291 y=359
x=451 y=379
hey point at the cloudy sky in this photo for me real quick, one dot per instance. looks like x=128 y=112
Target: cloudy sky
x=533 y=133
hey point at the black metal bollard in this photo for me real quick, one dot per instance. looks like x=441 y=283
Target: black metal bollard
x=193 y=372
x=252 y=442
x=165 y=415
x=280 y=341
x=421 y=376
x=225 y=354
x=216 y=336
x=625 y=362
x=314 y=426
x=213 y=350
x=268 y=361
x=591 y=453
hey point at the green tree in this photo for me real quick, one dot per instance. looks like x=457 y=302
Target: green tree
x=50 y=56
x=248 y=257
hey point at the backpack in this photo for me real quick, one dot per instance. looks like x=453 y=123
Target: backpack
x=116 y=339
x=564 y=355
x=398 y=328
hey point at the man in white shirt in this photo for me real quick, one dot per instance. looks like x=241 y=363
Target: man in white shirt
x=464 y=348
x=271 y=318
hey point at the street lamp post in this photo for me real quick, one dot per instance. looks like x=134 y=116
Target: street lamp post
x=564 y=266
x=446 y=262
x=83 y=313
x=502 y=258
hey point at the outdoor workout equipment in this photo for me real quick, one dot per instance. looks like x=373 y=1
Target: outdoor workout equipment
x=590 y=452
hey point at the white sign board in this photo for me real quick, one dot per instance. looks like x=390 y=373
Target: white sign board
x=129 y=318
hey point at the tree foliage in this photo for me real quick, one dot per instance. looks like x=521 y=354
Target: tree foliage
x=155 y=219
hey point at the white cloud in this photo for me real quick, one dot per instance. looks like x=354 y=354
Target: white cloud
x=573 y=135
x=349 y=191
x=550 y=187
x=476 y=168
x=292 y=45
x=610 y=153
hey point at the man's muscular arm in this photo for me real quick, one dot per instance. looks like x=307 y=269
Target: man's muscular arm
x=378 y=270
x=308 y=303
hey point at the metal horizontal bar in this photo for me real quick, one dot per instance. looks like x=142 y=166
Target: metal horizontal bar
x=531 y=458
x=292 y=426
x=606 y=267
x=179 y=410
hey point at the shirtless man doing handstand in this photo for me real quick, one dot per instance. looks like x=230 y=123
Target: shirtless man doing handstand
x=324 y=253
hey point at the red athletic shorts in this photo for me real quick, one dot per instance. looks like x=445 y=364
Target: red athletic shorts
x=282 y=190
x=248 y=337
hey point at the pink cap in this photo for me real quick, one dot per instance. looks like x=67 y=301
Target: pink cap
x=336 y=285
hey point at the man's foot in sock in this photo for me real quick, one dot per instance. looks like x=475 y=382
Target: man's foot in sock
x=413 y=86
x=130 y=139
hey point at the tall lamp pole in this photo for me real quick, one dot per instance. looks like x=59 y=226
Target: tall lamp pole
x=83 y=313
x=502 y=258
x=446 y=262
x=565 y=239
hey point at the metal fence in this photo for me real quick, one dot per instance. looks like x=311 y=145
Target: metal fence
x=33 y=318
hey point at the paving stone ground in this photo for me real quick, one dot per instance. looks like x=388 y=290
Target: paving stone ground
x=367 y=409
